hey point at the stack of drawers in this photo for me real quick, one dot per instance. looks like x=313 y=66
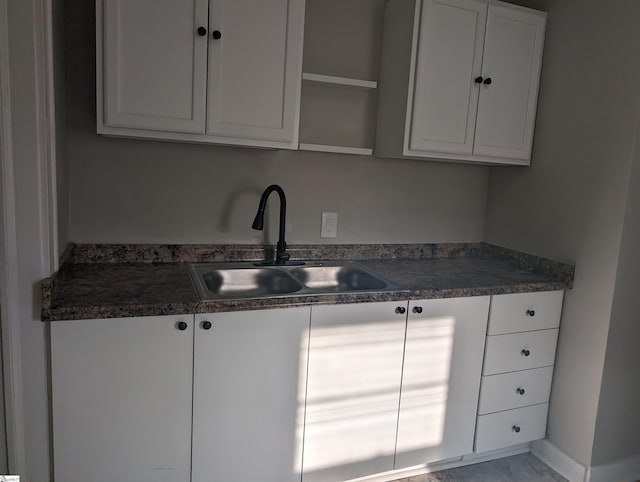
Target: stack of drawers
x=518 y=368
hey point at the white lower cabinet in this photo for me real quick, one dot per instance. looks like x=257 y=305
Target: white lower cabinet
x=392 y=385
x=518 y=369
x=515 y=390
x=121 y=399
x=124 y=391
x=249 y=387
x=353 y=388
x=520 y=351
x=441 y=378
x=511 y=427
x=317 y=394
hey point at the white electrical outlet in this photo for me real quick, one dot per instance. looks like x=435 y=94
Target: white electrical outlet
x=329 y=225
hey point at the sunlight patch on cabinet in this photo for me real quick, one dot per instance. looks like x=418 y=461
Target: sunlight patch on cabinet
x=425 y=383
x=353 y=386
x=352 y=393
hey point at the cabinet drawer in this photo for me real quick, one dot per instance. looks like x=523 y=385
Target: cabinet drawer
x=519 y=351
x=525 y=312
x=511 y=427
x=514 y=390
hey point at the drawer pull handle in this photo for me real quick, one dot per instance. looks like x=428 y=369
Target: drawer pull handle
x=516 y=429
x=206 y=325
x=525 y=352
x=417 y=309
x=401 y=310
x=520 y=391
x=531 y=313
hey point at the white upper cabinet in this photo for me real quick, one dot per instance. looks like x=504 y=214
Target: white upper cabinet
x=445 y=99
x=155 y=64
x=512 y=60
x=212 y=71
x=251 y=71
x=468 y=89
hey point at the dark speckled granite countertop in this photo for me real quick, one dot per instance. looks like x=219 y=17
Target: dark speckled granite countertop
x=112 y=281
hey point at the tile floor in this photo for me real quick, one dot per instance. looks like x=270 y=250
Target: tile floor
x=518 y=468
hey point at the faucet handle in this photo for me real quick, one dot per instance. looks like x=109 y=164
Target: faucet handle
x=285 y=256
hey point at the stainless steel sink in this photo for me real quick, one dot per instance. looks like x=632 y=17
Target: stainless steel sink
x=230 y=281
x=337 y=278
x=249 y=283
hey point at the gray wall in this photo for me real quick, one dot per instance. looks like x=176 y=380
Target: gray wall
x=618 y=422
x=570 y=203
x=152 y=192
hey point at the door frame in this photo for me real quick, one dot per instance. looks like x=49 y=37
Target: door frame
x=40 y=24
x=11 y=366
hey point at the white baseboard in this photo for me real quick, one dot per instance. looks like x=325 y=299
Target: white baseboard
x=444 y=465
x=559 y=461
x=623 y=470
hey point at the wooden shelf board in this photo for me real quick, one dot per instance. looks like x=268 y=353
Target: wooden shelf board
x=337 y=149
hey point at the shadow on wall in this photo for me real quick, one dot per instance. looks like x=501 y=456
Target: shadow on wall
x=234 y=199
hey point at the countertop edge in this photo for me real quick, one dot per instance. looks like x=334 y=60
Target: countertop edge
x=560 y=275
x=199 y=307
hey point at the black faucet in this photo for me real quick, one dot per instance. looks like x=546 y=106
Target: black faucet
x=282 y=256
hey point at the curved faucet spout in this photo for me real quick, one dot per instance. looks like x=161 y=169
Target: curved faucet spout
x=258 y=223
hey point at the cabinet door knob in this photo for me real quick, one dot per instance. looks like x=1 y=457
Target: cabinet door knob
x=516 y=429
x=217 y=34
x=417 y=309
x=181 y=325
x=487 y=81
x=401 y=310
x=531 y=313
x=478 y=80
x=520 y=391
x=525 y=352
x=202 y=31
x=206 y=325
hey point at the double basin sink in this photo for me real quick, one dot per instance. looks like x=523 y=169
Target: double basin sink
x=230 y=281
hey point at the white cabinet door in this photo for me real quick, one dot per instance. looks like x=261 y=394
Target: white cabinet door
x=355 y=365
x=248 y=405
x=448 y=58
x=255 y=69
x=441 y=379
x=121 y=399
x=512 y=60
x=154 y=64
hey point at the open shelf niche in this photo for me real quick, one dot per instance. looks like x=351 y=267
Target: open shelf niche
x=340 y=75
